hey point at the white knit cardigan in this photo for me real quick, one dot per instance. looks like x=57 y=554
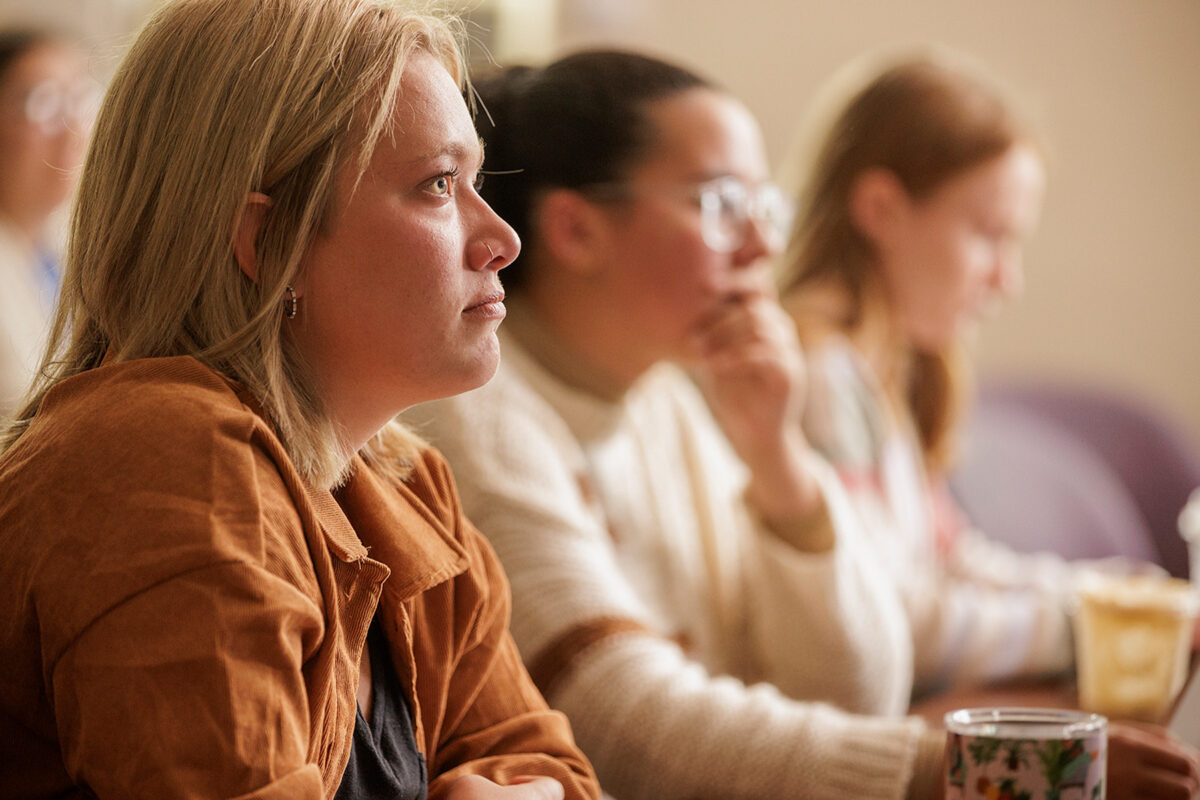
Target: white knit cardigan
x=978 y=610
x=695 y=653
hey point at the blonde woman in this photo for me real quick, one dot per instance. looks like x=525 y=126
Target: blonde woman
x=922 y=186
x=224 y=571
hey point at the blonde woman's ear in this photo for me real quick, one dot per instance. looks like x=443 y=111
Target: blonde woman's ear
x=246 y=230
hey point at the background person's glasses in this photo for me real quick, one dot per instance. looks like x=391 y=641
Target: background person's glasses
x=728 y=206
x=54 y=106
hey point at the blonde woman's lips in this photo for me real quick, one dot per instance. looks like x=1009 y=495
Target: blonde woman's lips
x=489 y=307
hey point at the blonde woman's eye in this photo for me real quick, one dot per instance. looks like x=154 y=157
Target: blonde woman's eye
x=443 y=185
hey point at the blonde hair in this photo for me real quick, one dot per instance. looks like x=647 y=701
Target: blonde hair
x=925 y=117
x=215 y=100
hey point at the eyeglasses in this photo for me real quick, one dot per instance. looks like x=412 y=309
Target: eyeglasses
x=727 y=207
x=54 y=106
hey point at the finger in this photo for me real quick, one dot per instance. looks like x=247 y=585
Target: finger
x=746 y=325
x=1165 y=785
x=537 y=787
x=1171 y=758
x=1137 y=729
x=735 y=303
x=1156 y=748
x=754 y=361
x=515 y=779
x=753 y=283
x=723 y=323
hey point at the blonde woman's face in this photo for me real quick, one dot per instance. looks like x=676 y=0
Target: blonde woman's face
x=948 y=259
x=400 y=298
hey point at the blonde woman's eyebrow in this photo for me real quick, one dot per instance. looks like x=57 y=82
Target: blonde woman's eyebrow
x=455 y=150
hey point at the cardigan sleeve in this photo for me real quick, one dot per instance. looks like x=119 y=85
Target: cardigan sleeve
x=823 y=626
x=978 y=611
x=829 y=626
x=655 y=723
x=995 y=613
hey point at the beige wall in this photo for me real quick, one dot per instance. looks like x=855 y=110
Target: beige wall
x=1113 y=290
x=1114 y=272
x=104 y=25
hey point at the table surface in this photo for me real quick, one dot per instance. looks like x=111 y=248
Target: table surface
x=1025 y=693
x=1030 y=693
x=1048 y=693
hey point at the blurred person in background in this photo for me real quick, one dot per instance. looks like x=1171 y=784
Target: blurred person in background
x=690 y=585
x=700 y=611
x=47 y=102
x=920 y=185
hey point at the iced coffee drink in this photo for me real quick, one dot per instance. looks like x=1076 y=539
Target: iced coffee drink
x=1133 y=639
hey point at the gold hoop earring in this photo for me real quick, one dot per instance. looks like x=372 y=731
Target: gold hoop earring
x=291 y=306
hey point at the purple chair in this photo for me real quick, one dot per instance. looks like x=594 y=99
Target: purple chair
x=1080 y=471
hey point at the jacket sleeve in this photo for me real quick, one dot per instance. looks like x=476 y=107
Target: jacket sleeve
x=486 y=718
x=191 y=687
x=178 y=609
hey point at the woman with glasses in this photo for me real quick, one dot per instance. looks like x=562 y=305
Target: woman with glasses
x=687 y=583
x=919 y=192
x=46 y=103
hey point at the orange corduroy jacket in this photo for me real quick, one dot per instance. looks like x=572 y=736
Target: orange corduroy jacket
x=182 y=616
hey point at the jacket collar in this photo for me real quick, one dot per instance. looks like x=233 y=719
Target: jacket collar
x=373 y=515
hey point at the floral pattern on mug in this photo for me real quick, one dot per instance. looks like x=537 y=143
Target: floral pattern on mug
x=983 y=763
